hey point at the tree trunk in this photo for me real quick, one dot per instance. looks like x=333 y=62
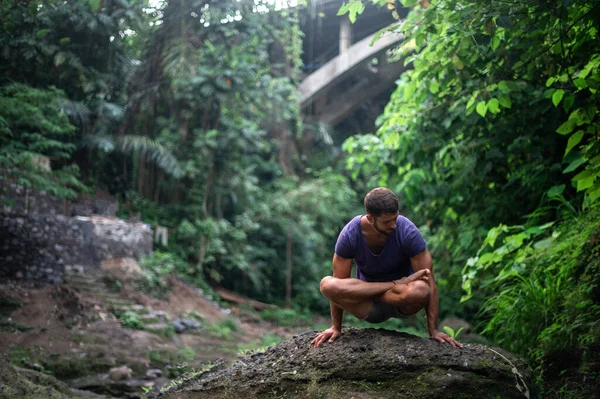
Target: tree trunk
x=157 y=186
x=288 y=271
x=204 y=241
x=141 y=172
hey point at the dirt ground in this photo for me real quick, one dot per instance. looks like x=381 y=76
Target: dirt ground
x=73 y=334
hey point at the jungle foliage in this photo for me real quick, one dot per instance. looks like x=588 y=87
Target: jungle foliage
x=492 y=139
x=187 y=114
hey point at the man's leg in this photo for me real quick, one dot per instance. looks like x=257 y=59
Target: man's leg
x=356 y=296
x=408 y=298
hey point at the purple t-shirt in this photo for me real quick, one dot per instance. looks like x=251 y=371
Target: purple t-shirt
x=394 y=260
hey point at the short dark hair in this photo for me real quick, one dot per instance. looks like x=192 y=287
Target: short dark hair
x=381 y=200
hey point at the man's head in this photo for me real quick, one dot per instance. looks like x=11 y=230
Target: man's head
x=381 y=205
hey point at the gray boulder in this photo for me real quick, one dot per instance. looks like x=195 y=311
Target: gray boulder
x=365 y=363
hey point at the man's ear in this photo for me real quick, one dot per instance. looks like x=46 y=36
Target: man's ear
x=370 y=218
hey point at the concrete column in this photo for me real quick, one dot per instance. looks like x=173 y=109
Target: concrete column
x=345 y=34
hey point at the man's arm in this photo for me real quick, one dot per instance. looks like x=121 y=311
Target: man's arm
x=342 y=268
x=423 y=261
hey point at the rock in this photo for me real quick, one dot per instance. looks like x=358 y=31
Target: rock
x=105 y=207
x=153 y=374
x=120 y=373
x=189 y=323
x=30 y=384
x=179 y=326
x=124 y=269
x=39 y=247
x=366 y=363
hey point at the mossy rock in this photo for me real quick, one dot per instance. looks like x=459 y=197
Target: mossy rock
x=16 y=383
x=366 y=363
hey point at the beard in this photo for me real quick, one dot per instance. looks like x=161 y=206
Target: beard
x=385 y=233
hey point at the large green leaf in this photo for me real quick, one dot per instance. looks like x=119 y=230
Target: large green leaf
x=481 y=108
x=574 y=140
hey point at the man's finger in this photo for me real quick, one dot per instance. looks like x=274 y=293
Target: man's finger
x=322 y=338
x=454 y=343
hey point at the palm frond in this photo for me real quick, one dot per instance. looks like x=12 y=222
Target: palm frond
x=75 y=111
x=155 y=151
x=102 y=142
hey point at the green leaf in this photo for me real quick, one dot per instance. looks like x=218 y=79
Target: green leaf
x=582 y=115
x=42 y=33
x=434 y=87
x=481 y=108
x=575 y=164
x=580 y=83
x=586 y=183
x=574 y=140
x=568 y=102
x=583 y=175
x=557 y=97
x=566 y=127
x=495 y=42
x=449 y=331
x=343 y=10
x=494 y=106
x=594 y=194
x=472 y=100
x=555 y=191
x=505 y=100
x=356 y=7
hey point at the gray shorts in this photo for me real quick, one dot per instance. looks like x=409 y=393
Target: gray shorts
x=381 y=312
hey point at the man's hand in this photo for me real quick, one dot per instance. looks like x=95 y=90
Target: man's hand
x=441 y=337
x=330 y=334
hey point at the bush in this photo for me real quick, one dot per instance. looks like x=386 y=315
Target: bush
x=154 y=269
x=130 y=319
x=223 y=329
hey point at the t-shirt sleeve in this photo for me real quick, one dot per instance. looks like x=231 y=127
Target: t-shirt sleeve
x=345 y=245
x=413 y=242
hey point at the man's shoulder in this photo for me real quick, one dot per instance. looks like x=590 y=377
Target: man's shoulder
x=352 y=228
x=404 y=221
x=353 y=224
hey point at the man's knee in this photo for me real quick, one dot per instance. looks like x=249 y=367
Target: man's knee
x=419 y=290
x=328 y=286
x=415 y=292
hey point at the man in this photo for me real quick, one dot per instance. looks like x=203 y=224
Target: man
x=394 y=270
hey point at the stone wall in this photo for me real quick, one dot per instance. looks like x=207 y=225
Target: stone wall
x=19 y=199
x=15 y=198
x=38 y=247
x=106 y=238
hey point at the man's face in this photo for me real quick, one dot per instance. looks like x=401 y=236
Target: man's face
x=385 y=223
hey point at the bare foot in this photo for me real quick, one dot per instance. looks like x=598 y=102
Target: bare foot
x=422 y=275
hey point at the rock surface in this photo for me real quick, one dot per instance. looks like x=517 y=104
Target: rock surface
x=365 y=363
x=38 y=247
x=16 y=383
